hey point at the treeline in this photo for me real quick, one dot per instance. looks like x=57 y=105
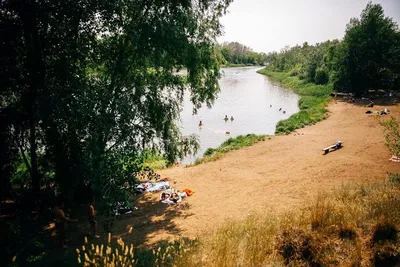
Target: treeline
x=234 y=53
x=367 y=58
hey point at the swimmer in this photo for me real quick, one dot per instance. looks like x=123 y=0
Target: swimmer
x=280 y=109
x=284 y=112
x=232 y=118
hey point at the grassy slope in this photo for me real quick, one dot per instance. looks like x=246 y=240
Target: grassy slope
x=313 y=101
x=353 y=226
x=238 y=142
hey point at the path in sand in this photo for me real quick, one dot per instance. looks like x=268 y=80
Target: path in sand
x=276 y=174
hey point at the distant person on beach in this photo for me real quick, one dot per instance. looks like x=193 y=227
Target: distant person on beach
x=352 y=100
x=226 y=118
x=92 y=218
x=232 y=118
x=61 y=222
x=371 y=104
x=200 y=123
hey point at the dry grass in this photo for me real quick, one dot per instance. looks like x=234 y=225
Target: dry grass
x=354 y=226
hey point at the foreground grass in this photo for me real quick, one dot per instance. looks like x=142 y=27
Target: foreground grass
x=354 y=226
x=212 y=154
x=313 y=101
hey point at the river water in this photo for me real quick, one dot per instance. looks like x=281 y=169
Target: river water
x=245 y=95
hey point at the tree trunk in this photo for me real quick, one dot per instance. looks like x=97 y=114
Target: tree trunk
x=35 y=67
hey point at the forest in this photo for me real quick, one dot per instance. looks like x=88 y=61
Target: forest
x=368 y=57
x=236 y=54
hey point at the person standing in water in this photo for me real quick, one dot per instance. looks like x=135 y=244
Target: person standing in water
x=226 y=118
x=232 y=118
x=200 y=123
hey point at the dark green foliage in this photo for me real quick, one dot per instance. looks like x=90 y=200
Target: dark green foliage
x=321 y=76
x=371 y=53
x=367 y=58
x=234 y=54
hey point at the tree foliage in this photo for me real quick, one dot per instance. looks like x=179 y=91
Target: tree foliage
x=89 y=84
x=236 y=53
x=367 y=58
x=371 y=55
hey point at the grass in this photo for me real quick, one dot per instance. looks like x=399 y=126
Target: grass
x=353 y=226
x=313 y=101
x=212 y=154
x=153 y=160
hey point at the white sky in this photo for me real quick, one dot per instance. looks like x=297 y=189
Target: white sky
x=269 y=25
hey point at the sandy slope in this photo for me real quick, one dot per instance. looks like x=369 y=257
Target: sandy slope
x=277 y=174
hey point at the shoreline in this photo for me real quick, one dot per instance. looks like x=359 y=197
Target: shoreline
x=271 y=177
x=312 y=103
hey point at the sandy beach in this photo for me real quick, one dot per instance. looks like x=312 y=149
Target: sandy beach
x=276 y=175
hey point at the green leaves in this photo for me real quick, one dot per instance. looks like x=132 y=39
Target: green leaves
x=109 y=86
x=370 y=56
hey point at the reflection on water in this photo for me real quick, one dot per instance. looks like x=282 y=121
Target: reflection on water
x=245 y=95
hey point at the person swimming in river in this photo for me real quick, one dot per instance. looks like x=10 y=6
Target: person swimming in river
x=280 y=109
x=226 y=118
x=200 y=123
x=232 y=118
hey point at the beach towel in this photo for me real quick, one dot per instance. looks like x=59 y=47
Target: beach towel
x=153 y=187
x=395 y=159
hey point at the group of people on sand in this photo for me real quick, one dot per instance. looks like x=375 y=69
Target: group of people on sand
x=174 y=197
x=61 y=221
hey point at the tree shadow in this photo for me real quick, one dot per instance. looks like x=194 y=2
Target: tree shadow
x=382 y=101
x=152 y=221
x=153 y=224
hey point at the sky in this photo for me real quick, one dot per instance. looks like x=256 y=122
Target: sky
x=269 y=25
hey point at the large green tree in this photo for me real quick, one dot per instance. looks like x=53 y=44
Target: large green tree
x=91 y=83
x=370 y=56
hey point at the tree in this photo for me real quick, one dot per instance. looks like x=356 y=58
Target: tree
x=371 y=52
x=93 y=82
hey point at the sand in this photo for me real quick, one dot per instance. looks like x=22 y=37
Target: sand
x=275 y=175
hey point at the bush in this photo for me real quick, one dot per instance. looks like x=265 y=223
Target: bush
x=386 y=255
x=209 y=151
x=321 y=76
x=384 y=231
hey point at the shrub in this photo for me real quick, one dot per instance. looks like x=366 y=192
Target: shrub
x=384 y=231
x=386 y=255
x=209 y=151
x=321 y=76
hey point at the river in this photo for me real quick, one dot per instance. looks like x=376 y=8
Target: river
x=245 y=95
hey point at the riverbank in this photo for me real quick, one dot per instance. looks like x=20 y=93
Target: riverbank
x=280 y=174
x=233 y=143
x=237 y=65
x=313 y=101
x=250 y=195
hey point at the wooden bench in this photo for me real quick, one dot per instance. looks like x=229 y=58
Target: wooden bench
x=334 y=146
